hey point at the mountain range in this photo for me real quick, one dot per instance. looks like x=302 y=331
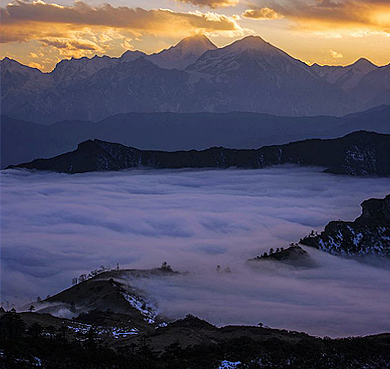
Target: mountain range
x=23 y=141
x=358 y=154
x=249 y=75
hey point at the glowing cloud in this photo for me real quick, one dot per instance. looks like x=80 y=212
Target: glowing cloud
x=336 y=55
x=262 y=14
x=372 y=15
x=28 y=17
x=212 y=3
x=82 y=30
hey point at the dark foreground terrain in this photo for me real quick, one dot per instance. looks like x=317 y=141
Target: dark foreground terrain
x=114 y=325
x=358 y=154
x=33 y=340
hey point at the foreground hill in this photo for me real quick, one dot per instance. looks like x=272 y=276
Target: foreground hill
x=111 y=291
x=367 y=235
x=359 y=153
x=193 y=76
x=24 y=141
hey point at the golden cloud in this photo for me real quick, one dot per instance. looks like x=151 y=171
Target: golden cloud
x=212 y=3
x=336 y=55
x=330 y=14
x=79 y=30
x=23 y=21
x=107 y=15
x=261 y=14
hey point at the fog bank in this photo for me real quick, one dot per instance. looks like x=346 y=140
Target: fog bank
x=55 y=227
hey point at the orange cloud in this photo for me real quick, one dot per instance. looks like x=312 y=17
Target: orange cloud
x=262 y=14
x=336 y=55
x=212 y=3
x=83 y=30
x=29 y=14
x=330 y=14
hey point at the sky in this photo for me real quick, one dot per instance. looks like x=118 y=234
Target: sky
x=55 y=227
x=39 y=33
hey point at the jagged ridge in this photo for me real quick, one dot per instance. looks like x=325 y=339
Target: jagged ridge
x=359 y=153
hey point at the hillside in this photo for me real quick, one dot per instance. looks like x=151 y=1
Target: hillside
x=108 y=291
x=294 y=256
x=359 y=153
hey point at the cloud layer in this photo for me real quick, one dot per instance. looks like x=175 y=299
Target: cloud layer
x=262 y=14
x=371 y=15
x=211 y=3
x=55 y=227
x=81 y=28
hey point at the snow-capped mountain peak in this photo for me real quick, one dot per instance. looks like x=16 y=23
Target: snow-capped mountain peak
x=69 y=70
x=363 y=65
x=194 y=44
x=131 y=55
x=12 y=66
x=250 y=56
x=249 y=43
x=186 y=52
x=346 y=77
x=16 y=76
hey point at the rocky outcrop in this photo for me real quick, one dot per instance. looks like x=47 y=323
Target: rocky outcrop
x=368 y=235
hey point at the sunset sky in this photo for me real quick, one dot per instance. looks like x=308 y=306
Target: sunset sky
x=40 y=33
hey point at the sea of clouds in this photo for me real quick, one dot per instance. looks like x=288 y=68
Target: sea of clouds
x=55 y=227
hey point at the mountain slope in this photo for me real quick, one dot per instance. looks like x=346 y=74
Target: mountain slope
x=138 y=86
x=373 y=88
x=368 y=234
x=19 y=82
x=252 y=75
x=108 y=291
x=359 y=153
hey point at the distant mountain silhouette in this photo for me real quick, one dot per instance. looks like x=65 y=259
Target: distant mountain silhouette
x=358 y=154
x=194 y=76
x=24 y=141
